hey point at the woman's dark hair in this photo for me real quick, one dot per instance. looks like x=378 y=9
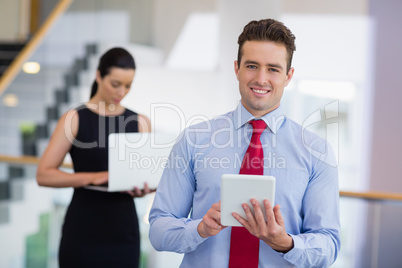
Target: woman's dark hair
x=115 y=57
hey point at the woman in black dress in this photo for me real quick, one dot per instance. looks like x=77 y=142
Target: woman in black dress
x=100 y=228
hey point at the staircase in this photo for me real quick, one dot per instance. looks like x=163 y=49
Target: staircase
x=70 y=93
x=19 y=211
x=8 y=52
x=21 y=199
x=43 y=98
x=35 y=143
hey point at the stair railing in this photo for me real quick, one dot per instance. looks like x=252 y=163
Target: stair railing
x=32 y=45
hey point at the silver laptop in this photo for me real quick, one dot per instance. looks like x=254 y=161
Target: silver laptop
x=135 y=159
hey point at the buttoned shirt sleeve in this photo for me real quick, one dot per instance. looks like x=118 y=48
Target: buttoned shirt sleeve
x=318 y=243
x=170 y=227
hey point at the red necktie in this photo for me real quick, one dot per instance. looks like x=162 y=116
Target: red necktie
x=244 y=247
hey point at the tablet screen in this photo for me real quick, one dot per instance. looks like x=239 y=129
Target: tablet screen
x=237 y=189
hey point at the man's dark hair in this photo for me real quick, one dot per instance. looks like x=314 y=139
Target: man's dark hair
x=267 y=30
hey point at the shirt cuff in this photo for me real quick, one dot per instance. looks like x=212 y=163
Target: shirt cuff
x=192 y=235
x=296 y=252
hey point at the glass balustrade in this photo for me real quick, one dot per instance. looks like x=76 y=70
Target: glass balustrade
x=31 y=218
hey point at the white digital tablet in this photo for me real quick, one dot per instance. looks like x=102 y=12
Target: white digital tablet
x=237 y=189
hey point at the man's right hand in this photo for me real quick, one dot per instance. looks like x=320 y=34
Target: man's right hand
x=211 y=222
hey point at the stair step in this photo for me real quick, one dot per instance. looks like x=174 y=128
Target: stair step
x=80 y=64
x=52 y=113
x=5 y=190
x=76 y=95
x=41 y=146
x=71 y=79
x=8 y=54
x=41 y=131
x=42 y=104
x=61 y=96
x=2 y=69
x=5 y=62
x=4 y=214
x=15 y=172
x=3 y=171
x=25 y=112
x=12 y=46
x=86 y=78
x=91 y=49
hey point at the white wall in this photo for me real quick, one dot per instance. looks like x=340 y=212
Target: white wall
x=386 y=153
x=168 y=18
x=67 y=39
x=9 y=20
x=384 y=228
x=140 y=16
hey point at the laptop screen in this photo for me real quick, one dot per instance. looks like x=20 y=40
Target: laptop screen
x=136 y=158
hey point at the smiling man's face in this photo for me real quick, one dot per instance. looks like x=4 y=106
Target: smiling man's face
x=262 y=76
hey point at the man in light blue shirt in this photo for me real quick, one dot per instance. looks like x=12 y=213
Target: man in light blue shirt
x=302 y=230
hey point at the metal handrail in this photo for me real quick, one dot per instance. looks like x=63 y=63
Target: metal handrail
x=370 y=195
x=14 y=68
x=26 y=160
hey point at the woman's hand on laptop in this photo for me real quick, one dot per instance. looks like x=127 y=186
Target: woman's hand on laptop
x=99 y=178
x=137 y=192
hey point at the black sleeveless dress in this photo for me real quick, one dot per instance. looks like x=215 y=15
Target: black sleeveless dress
x=100 y=228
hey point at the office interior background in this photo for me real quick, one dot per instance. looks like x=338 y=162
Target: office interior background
x=346 y=87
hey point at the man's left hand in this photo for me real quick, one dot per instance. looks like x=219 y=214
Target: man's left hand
x=272 y=231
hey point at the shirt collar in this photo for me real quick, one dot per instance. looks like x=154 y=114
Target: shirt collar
x=274 y=119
